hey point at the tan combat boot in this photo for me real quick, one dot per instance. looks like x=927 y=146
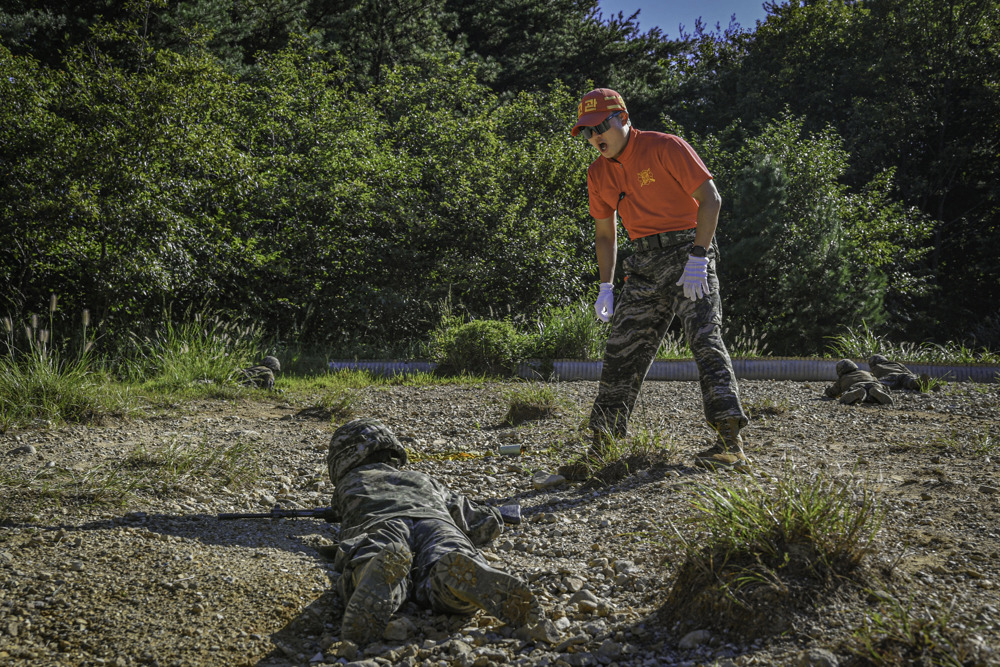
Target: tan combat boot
x=378 y=593
x=462 y=583
x=880 y=394
x=728 y=449
x=853 y=396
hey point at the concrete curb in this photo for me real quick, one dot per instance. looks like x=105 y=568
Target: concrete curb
x=748 y=369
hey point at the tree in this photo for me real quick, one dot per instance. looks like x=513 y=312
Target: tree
x=923 y=104
x=803 y=254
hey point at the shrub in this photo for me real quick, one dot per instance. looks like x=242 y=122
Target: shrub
x=479 y=347
x=569 y=332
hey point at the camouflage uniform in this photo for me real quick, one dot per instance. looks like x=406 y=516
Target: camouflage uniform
x=406 y=535
x=893 y=374
x=262 y=375
x=857 y=386
x=646 y=307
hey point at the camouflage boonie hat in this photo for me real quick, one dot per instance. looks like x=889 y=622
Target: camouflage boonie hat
x=271 y=363
x=355 y=441
x=845 y=366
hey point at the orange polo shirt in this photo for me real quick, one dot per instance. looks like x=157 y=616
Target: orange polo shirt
x=657 y=172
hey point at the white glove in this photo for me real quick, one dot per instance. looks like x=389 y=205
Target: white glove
x=695 y=278
x=604 y=307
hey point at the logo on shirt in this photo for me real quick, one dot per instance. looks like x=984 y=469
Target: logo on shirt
x=646 y=177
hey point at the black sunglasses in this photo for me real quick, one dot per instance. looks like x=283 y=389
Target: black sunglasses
x=588 y=132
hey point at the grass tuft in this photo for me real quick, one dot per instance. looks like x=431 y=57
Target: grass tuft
x=834 y=521
x=233 y=466
x=200 y=349
x=152 y=472
x=767 y=407
x=41 y=383
x=753 y=546
x=644 y=449
x=898 y=634
x=531 y=402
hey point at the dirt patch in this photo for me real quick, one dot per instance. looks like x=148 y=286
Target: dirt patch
x=89 y=575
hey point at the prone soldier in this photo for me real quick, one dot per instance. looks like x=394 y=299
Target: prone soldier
x=261 y=375
x=405 y=535
x=895 y=375
x=854 y=385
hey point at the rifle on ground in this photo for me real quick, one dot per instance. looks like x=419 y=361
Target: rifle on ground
x=511 y=514
x=278 y=512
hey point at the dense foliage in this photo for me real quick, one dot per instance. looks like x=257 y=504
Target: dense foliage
x=335 y=170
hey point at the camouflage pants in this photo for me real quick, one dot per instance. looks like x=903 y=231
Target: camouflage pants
x=901 y=381
x=648 y=303
x=428 y=540
x=867 y=387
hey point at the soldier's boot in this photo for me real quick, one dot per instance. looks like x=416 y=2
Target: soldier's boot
x=379 y=591
x=457 y=577
x=853 y=396
x=727 y=452
x=879 y=394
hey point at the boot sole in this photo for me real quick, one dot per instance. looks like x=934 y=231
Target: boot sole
x=498 y=593
x=371 y=606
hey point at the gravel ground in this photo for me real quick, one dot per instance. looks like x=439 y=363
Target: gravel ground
x=92 y=575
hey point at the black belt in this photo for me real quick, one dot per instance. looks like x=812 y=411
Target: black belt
x=664 y=240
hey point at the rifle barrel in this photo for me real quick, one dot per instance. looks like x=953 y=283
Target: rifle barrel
x=278 y=513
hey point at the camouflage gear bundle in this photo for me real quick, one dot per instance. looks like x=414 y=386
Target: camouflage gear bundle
x=648 y=303
x=854 y=385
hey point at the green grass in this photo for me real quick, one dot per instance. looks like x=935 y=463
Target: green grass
x=862 y=342
x=673 y=346
x=979 y=444
x=898 y=634
x=531 y=401
x=645 y=442
x=569 y=332
x=200 y=348
x=829 y=523
x=43 y=383
x=153 y=472
x=754 y=553
x=744 y=344
x=644 y=448
x=767 y=407
x=234 y=466
x=360 y=379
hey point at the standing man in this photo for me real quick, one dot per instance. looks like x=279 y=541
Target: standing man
x=666 y=200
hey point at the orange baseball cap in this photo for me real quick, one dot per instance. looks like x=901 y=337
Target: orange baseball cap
x=595 y=107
